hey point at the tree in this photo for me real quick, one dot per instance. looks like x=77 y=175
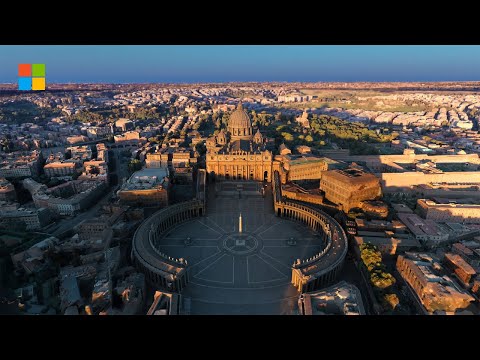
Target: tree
x=287 y=136
x=372 y=259
x=391 y=301
x=381 y=279
x=370 y=256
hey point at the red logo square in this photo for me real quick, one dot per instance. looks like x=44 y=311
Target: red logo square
x=24 y=69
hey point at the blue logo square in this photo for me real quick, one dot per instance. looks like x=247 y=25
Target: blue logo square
x=24 y=83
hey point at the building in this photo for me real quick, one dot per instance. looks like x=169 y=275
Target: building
x=33 y=219
x=183 y=175
x=7 y=191
x=33 y=259
x=387 y=243
x=450 y=210
x=147 y=187
x=404 y=182
x=295 y=98
x=296 y=192
x=469 y=251
x=405 y=163
x=400 y=173
x=182 y=164
x=462 y=270
x=435 y=292
x=304 y=167
x=375 y=208
x=124 y=124
x=69 y=293
x=303 y=149
x=59 y=168
x=102 y=153
x=71 y=197
x=132 y=292
x=59 y=156
x=476 y=288
x=183 y=158
x=303 y=120
x=348 y=188
x=165 y=303
x=283 y=149
x=159 y=159
x=401 y=208
x=102 y=293
x=238 y=154
x=21 y=164
x=94 y=132
x=9 y=206
x=76 y=139
x=96 y=232
x=82 y=153
x=95 y=170
x=424 y=230
x=171 y=158
x=128 y=137
x=380 y=225
x=32 y=186
x=340 y=299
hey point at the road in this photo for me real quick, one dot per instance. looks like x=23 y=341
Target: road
x=67 y=224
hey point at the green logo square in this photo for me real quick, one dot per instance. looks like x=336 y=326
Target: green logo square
x=38 y=69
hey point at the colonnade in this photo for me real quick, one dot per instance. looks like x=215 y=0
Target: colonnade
x=162 y=279
x=321 y=269
x=314 y=282
x=160 y=269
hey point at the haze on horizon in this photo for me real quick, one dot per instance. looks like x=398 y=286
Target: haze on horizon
x=242 y=63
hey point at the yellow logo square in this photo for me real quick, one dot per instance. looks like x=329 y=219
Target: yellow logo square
x=38 y=83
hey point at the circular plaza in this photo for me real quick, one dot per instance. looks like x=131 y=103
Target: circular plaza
x=234 y=256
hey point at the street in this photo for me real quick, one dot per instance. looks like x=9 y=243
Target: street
x=64 y=225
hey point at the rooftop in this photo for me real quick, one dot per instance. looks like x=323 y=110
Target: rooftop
x=419 y=226
x=352 y=176
x=458 y=261
x=304 y=159
x=147 y=178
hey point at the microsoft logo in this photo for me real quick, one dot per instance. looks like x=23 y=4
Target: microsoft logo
x=31 y=76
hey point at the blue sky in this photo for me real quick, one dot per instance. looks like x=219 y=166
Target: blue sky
x=220 y=63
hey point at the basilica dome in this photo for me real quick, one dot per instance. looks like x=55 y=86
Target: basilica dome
x=239 y=125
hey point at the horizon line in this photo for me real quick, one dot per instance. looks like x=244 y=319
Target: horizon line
x=252 y=81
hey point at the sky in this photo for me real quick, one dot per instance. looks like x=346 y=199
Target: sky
x=223 y=63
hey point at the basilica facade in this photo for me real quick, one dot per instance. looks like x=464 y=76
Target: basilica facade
x=238 y=153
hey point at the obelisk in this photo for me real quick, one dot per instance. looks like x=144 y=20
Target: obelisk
x=240 y=223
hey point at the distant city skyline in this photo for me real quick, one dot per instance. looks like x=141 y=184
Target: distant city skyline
x=231 y=63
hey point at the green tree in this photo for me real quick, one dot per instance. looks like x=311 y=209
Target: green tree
x=372 y=259
x=287 y=136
